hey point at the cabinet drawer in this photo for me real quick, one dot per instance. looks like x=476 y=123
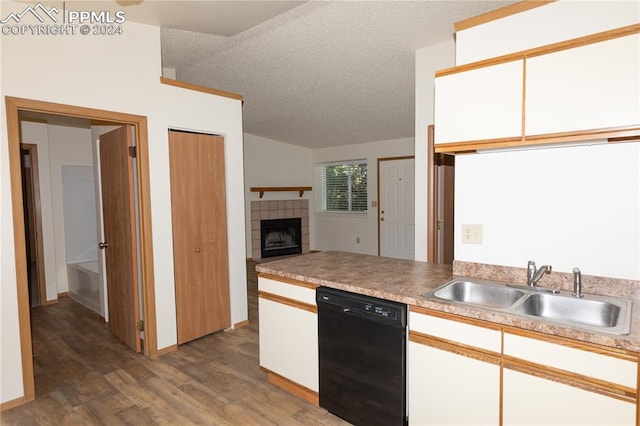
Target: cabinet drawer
x=584 y=362
x=457 y=332
x=289 y=290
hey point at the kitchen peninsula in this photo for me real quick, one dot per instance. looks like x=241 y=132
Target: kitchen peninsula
x=407 y=281
x=490 y=358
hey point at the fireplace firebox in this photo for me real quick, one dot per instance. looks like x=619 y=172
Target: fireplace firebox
x=280 y=237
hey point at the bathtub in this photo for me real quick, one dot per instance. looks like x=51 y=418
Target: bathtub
x=84 y=285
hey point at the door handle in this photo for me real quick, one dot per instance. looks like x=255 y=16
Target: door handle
x=102 y=245
x=197 y=250
x=382 y=219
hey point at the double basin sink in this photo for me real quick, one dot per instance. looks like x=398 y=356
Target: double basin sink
x=597 y=313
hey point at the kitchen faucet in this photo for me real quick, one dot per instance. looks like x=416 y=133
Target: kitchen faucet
x=577 y=283
x=533 y=274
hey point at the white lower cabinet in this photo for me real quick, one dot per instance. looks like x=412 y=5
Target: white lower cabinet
x=530 y=400
x=461 y=372
x=288 y=332
x=450 y=382
x=450 y=389
x=566 y=384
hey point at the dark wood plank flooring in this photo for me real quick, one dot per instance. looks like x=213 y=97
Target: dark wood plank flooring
x=84 y=376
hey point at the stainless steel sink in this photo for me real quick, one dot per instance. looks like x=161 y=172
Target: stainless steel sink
x=593 y=312
x=598 y=313
x=479 y=293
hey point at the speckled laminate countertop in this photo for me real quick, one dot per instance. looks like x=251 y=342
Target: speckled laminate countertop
x=407 y=281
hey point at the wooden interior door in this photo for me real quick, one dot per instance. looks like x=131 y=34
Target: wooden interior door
x=445 y=188
x=198 y=208
x=116 y=171
x=214 y=232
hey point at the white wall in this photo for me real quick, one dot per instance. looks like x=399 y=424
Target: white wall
x=117 y=73
x=339 y=231
x=57 y=146
x=37 y=133
x=428 y=61
x=68 y=146
x=572 y=206
x=79 y=202
x=269 y=162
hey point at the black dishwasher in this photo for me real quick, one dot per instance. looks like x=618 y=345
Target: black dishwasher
x=362 y=357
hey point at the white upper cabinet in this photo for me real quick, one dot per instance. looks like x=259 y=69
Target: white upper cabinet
x=596 y=86
x=541 y=25
x=480 y=104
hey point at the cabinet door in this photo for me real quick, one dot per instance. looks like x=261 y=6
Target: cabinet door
x=480 y=104
x=450 y=389
x=289 y=342
x=595 y=86
x=530 y=400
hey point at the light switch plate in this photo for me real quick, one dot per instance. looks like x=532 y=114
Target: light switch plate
x=472 y=234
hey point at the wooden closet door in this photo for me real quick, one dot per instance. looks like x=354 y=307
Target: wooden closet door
x=187 y=248
x=198 y=208
x=214 y=232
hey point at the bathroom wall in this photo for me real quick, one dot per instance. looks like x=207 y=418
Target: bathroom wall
x=79 y=211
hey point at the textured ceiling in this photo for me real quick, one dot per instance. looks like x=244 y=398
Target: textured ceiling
x=219 y=17
x=323 y=73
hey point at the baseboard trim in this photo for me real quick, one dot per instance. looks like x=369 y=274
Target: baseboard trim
x=11 y=404
x=241 y=324
x=292 y=387
x=166 y=350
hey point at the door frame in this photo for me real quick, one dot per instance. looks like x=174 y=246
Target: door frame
x=37 y=221
x=404 y=157
x=432 y=208
x=435 y=245
x=139 y=123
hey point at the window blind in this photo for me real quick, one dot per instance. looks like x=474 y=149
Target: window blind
x=343 y=186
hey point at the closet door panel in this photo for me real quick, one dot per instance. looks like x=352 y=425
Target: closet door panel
x=213 y=211
x=187 y=236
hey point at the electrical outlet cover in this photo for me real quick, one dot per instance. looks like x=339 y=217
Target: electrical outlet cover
x=472 y=234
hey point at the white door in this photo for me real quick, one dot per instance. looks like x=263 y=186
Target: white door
x=396 y=195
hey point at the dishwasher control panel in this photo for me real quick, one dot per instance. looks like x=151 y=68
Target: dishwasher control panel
x=361 y=305
x=381 y=310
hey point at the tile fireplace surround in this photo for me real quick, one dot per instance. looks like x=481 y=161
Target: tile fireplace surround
x=278 y=209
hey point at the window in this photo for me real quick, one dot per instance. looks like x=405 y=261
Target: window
x=343 y=186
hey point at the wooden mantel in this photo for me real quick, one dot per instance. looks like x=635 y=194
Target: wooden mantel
x=262 y=190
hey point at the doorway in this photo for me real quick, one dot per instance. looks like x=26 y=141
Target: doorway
x=14 y=106
x=396 y=192
x=440 y=203
x=33 y=224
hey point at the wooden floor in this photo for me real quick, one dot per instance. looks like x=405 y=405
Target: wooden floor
x=84 y=376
